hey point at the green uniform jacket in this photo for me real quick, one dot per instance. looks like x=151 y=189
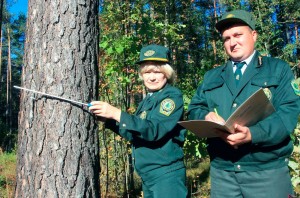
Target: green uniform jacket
x=156 y=137
x=271 y=144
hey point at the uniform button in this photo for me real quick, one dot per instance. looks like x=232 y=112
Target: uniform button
x=238 y=166
x=234 y=105
x=123 y=125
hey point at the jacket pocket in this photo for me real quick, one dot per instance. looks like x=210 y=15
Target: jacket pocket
x=213 y=84
x=265 y=81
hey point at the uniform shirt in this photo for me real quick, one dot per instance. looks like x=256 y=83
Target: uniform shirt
x=156 y=137
x=271 y=144
x=247 y=61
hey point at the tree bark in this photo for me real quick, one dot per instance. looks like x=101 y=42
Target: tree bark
x=58 y=141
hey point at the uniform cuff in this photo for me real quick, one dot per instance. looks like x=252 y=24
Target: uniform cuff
x=256 y=134
x=125 y=117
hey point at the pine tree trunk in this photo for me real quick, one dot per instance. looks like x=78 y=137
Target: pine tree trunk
x=8 y=93
x=1 y=21
x=58 y=140
x=1 y=44
x=214 y=42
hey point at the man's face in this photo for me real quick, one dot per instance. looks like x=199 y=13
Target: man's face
x=239 y=41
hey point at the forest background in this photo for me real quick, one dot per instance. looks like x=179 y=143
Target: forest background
x=187 y=28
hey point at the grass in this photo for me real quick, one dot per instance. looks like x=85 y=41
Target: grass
x=7 y=174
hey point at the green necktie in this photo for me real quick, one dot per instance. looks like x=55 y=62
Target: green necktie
x=238 y=72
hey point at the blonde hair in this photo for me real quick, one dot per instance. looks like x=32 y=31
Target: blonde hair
x=165 y=68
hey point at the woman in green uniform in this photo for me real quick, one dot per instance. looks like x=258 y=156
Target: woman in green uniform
x=156 y=137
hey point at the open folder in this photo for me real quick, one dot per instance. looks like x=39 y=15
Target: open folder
x=255 y=108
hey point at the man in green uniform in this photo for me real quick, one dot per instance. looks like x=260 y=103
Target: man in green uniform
x=253 y=161
x=156 y=137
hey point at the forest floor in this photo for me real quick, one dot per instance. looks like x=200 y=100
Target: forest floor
x=197 y=177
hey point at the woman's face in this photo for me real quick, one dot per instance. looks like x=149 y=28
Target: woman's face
x=153 y=78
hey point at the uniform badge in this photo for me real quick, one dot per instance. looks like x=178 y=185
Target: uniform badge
x=230 y=16
x=149 y=53
x=143 y=115
x=167 y=106
x=296 y=86
x=260 y=60
x=268 y=93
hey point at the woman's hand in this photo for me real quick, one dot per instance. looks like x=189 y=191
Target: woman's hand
x=105 y=110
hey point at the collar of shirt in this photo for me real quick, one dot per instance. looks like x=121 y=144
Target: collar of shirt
x=248 y=60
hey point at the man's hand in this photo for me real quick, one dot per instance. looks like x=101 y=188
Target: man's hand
x=240 y=136
x=212 y=116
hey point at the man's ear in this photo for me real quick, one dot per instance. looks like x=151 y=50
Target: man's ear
x=254 y=34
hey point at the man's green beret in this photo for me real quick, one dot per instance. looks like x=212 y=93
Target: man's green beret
x=154 y=53
x=236 y=16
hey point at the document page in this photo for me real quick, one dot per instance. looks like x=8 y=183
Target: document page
x=254 y=109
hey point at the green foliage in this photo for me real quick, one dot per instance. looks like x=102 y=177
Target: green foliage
x=114 y=156
x=194 y=148
x=295 y=159
x=294 y=165
x=198 y=178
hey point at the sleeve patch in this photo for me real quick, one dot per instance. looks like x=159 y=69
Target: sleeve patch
x=296 y=86
x=268 y=93
x=167 y=106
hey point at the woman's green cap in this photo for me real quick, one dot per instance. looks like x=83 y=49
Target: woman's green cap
x=154 y=53
x=234 y=17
